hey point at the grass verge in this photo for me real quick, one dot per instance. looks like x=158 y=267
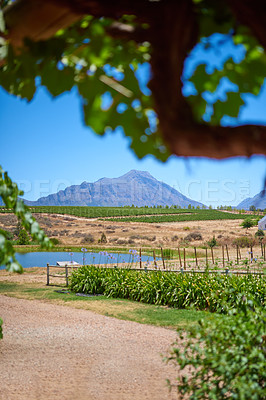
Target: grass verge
x=117 y=308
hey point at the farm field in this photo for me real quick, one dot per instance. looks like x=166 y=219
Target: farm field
x=109 y=212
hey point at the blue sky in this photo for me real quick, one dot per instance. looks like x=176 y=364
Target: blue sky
x=45 y=147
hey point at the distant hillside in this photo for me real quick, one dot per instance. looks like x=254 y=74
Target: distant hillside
x=259 y=201
x=136 y=187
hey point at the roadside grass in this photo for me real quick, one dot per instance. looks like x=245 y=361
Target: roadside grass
x=118 y=308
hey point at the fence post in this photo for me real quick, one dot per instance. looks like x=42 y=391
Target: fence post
x=212 y=255
x=264 y=253
x=261 y=246
x=162 y=258
x=140 y=258
x=223 y=255
x=184 y=258
x=206 y=250
x=251 y=254
x=227 y=252
x=48 y=271
x=237 y=254
x=195 y=250
x=179 y=257
x=154 y=257
x=66 y=267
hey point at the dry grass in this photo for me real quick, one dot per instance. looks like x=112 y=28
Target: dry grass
x=74 y=233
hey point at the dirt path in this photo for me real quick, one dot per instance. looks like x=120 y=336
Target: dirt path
x=56 y=352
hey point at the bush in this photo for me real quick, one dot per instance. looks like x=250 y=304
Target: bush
x=227 y=356
x=23 y=237
x=88 y=239
x=193 y=236
x=174 y=238
x=103 y=238
x=54 y=241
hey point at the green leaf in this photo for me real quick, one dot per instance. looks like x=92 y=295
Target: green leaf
x=229 y=107
x=57 y=81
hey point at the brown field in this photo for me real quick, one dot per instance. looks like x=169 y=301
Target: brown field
x=71 y=231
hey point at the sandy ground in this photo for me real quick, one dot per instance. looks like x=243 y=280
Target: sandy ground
x=56 y=352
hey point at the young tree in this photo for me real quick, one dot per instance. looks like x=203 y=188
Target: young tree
x=247 y=224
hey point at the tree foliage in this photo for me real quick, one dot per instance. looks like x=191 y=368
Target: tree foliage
x=10 y=193
x=103 y=61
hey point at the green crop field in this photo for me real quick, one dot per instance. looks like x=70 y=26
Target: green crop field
x=197 y=215
x=141 y=214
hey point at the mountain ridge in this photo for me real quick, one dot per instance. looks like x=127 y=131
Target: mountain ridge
x=259 y=201
x=135 y=187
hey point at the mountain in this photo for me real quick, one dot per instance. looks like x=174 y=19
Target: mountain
x=259 y=201
x=136 y=187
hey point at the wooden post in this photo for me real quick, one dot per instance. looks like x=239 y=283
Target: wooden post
x=251 y=254
x=179 y=257
x=227 y=252
x=239 y=253
x=66 y=267
x=206 y=250
x=184 y=258
x=237 y=260
x=154 y=258
x=48 y=270
x=223 y=255
x=264 y=252
x=195 y=250
x=162 y=258
x=140 y=258
x=261 y=246
x=212 y=255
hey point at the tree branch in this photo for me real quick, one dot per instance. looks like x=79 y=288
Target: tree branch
x=252 y=14
x=218 y=142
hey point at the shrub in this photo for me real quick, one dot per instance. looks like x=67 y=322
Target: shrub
x=121 y=241
x=174 y=238
x=54 y=241
x=88 y=238
x=23 y=237
x=193 y=236
x=103 y=238
x=227 y=356
x=186 y=228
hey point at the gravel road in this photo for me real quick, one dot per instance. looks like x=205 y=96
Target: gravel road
x=57 y=352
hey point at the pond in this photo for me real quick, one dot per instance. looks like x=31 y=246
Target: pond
x=40 y=259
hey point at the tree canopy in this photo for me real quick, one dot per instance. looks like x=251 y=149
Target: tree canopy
x=101 y=47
